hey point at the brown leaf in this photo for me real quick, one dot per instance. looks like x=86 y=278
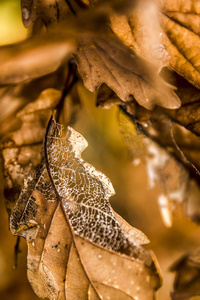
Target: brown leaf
x=134 y=234
x=166 y=32
x=14 y=98
x=24 y=126
x=33 y=58
x=46 y=50
x=75 y=243
x=163 y=169
x=21 y=146
x=109 y=61
x=187 y=278
x=54 y=11
x=57 y=11
x=176 y=147
x=188 y=114
x=178 y=141
x=180 y=22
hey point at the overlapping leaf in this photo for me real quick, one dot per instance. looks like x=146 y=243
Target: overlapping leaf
x=109 y=61
x=121 y=68
x=24 y=130
x=187 y=277
x=171 y=153
x=166 y=32
x=171 y=138
x=72 y=232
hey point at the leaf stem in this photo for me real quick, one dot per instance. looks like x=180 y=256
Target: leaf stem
x=70 y=81
x=16 y=252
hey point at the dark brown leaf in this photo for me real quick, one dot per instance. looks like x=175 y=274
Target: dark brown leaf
x=49 y=12
x=187 y=277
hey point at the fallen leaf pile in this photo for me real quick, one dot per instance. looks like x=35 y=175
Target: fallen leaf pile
x=141 y=55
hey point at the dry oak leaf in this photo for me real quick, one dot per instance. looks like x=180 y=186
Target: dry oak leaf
x=166 y=32
x=107 y=60
x=46 y=50
x=77 y=248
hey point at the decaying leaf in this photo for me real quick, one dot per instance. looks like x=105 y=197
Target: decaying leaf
x=77 y=247
x=109 y=61
x=24 y=131
x=21 y=147
x=187 y=277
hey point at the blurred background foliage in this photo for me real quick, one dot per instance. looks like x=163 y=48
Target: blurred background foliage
x=11 y=27
x=107 y=151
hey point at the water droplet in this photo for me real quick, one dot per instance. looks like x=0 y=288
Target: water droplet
x=33 y=244
x=147 y=278
x=58 y=250
x=137 y=161
x=116 y=286
x=99 y=256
